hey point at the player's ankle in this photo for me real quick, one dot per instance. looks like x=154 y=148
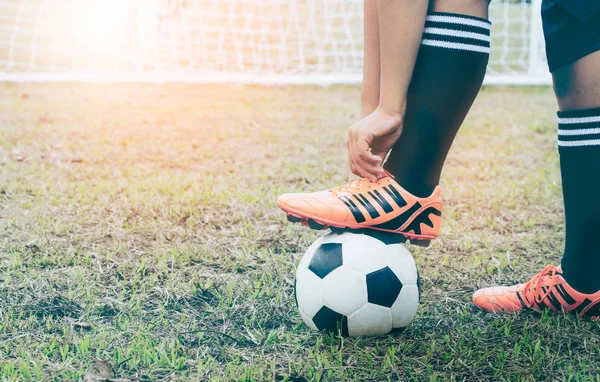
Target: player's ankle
x=581 y=279
x=411 y=184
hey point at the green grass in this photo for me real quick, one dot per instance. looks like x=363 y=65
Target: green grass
x=138 y=227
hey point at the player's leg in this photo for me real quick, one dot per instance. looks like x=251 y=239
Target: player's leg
x=449 y=70
x=369 y=98
x=573 y=48
x=577 y=88
x=448 y=75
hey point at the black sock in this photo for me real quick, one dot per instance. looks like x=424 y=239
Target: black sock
x=448 y=74
x=579 y=148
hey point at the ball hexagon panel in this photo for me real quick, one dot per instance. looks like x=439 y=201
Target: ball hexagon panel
x=364 y=254
x=405 y=307
x=308 y=255
x=327 y=238
x=370 y=320
x=326 y=259
x=331 y=321
x=309 y=293
x=402 y=263
x=344 y=290
x=383 y=287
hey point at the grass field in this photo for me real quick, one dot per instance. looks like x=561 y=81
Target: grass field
x=139 y=236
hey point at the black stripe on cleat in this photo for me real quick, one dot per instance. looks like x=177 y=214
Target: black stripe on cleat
x=294 y=219
x=314 y=225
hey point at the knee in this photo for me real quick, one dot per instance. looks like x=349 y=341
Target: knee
x=577 y=85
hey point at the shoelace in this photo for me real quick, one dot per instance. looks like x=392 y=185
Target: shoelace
x=357 y=184
x=533 y=288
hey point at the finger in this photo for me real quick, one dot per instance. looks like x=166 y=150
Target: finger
x=363 y=162
x=354 y=169
x=355 y=166
x=352 y=133
x=362 y=142
x=375 y=158
x=355 y=163
x=372 y=170
x=379 y=163
x=371 y=163
x=367 y=156
x=352 y=159
x=361 y=172
x=381 y=154
x=366 y=171
x=354 y=155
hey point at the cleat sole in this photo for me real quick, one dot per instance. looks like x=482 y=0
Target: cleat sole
x=419 y=241
x=355 y=230
x=402 y=238
x=315 y=225
x=340 y=230
x=294 y=219
x=337 y=230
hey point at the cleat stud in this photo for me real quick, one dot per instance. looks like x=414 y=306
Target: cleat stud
x=421 y=243
x=314 y=225
x=293 y=219
x=386 y=237
x=355 y=230
x=337 y=230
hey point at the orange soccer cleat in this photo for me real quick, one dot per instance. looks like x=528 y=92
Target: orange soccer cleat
x=382 y=205
x=546 y=290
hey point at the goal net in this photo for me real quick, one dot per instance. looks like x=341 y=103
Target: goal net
x=242 y=41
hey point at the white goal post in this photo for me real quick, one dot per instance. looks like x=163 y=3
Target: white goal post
x=210 y=41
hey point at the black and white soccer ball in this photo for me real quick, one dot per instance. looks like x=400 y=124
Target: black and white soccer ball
x=357 y=284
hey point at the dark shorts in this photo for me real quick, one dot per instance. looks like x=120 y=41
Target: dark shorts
x=571 y=30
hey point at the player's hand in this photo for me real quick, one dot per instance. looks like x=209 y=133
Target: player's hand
x=369 y=141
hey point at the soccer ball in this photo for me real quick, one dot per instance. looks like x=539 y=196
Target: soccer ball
x=357 y=284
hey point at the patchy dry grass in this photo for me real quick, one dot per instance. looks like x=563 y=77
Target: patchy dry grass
x=139 y=237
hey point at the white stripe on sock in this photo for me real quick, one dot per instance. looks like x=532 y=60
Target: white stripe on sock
x=458 y=20
x=455 y=45
x=589 y=142
x=567 y=121
x=579 y=131
x=455 y=33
